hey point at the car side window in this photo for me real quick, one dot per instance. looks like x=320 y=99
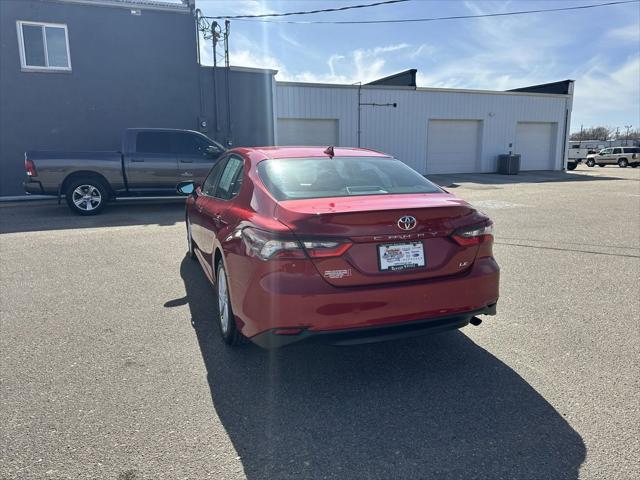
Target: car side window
x=231 y=179
x=617 y=151
x=189 y=144
x=211 y=182
x=152 y=142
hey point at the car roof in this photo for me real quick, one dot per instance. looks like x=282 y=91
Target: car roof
x=257 y=154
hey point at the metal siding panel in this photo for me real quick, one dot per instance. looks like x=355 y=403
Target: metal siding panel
x=402 y=132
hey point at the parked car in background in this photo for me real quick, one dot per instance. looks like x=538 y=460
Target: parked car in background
x=621 y=156
x=577 y=155
x=150 y=163
x=342 y=245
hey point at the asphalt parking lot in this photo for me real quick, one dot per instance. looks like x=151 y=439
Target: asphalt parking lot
x=112 y=369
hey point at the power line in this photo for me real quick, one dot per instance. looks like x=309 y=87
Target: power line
x=434 y=19
x=308 y=12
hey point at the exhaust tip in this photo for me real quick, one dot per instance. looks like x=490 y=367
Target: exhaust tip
x=475 y=321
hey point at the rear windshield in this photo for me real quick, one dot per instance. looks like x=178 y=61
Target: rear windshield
x=299 y=178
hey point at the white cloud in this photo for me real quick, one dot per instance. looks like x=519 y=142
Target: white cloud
x=360 y=65
x=630 y=33
x=234 y=7
x=424 y=49
x=604 y=92
x=357 y=65
x=289 y=39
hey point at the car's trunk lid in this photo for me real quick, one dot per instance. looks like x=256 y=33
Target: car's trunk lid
x=371 y=223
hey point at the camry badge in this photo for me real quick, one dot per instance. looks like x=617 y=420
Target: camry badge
x=407 y=222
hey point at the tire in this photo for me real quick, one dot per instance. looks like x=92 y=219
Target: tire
x=591 y=162
x=87 y=195
x=634 y=165
x=191 y=253
x=623 y=163
x=226 y=320
x=601 y=165
x=571 y=166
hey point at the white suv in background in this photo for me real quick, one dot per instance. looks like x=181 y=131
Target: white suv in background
x=621 y=156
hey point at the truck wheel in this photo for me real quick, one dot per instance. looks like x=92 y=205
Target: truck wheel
x=623 y=163
x=634 y=165
x=601 y=164
x=226 y=319
x=571 y=165
x=87 y=196
x=591 y=163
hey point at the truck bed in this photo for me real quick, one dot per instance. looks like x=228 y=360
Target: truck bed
x=53 y=166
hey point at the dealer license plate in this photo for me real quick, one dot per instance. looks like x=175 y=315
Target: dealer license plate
x=400 y=256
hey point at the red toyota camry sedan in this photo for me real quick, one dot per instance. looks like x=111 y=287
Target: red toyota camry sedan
x=342 y=245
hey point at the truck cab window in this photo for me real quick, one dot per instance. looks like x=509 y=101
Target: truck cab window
x=189 y=144
x=152 y=142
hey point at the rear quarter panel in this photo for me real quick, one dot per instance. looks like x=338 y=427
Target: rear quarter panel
x=54 y=167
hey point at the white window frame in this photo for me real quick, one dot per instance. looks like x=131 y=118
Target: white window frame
x=39 y=68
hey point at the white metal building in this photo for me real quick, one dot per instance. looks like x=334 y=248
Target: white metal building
x=431 y=129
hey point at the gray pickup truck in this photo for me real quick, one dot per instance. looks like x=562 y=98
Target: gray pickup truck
x=151 y=162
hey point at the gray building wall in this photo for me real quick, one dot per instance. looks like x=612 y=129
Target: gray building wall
x=127 y=71
x=246 y=119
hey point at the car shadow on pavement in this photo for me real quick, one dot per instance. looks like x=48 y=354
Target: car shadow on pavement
x=48 y=215
x=431 y=407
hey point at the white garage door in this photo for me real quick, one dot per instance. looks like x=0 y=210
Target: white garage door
x=453 y=146
x=534 y=142
x=308 y=131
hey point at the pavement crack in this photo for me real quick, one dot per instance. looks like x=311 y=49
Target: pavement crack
x=568 y=250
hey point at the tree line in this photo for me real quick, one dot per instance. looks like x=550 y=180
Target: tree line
x=605 y=133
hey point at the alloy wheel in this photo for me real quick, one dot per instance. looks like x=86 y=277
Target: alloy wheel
x=86 y=197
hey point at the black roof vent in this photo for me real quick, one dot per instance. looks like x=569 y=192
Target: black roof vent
x=561 y=88
x=402 y=79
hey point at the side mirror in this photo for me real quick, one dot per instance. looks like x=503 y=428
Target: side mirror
x=186 y=188
x=213 y=152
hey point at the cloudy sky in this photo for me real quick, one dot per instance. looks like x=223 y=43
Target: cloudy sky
x=599 y=48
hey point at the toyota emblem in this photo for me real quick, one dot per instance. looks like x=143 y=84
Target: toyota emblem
x=407 y=222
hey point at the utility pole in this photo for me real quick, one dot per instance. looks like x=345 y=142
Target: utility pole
x=227 y=24
x=215 y=36
x=628 y=127
x=581 y=137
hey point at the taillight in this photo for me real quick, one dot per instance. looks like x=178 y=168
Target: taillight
x=30 y=167
x=268 y=245
x=325 y=248
x=473 y=235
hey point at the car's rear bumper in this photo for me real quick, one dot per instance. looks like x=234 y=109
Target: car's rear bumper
x=279 y=300
x=33 y=187
x=356 y=336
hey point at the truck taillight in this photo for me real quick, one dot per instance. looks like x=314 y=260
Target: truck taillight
x=473 y=235
x=30 y=167
x=268 y=246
